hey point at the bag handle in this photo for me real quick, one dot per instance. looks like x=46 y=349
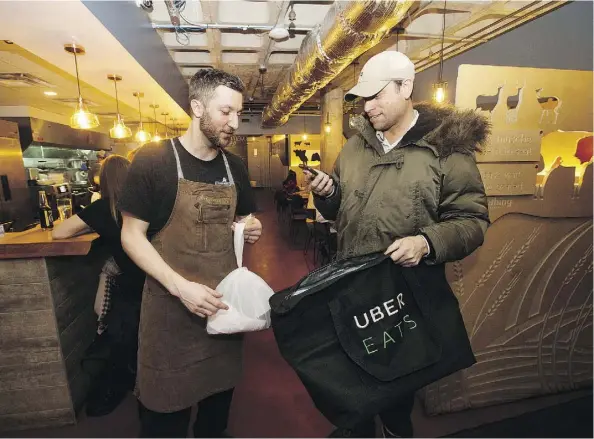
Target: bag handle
x=309 y=284
x=238 y=243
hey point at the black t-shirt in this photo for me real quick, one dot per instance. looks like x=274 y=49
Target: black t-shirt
x=98 y=217
x=151 y=185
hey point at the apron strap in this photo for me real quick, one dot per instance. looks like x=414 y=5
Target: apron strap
x=180 y=173
x=229 y=174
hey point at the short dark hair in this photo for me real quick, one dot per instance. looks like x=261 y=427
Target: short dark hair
x=205 y=81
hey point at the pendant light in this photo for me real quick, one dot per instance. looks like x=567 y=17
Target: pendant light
x=141 y=136
x=119 y=129
x=156 y=137
x=166 y=130
x=327 y=126
x=351 y=111
x=439 y=88
x=82 y=118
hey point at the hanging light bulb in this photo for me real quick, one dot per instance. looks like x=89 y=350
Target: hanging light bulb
x=439 y=88
x=141 y=135
x=82 y=118
x=156 y=137
x=327 y=126
x=352 y=118
x=439 y=92
x=119 y=129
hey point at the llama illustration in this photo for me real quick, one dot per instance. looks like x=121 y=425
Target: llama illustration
x=487 y=103
x=513 y=105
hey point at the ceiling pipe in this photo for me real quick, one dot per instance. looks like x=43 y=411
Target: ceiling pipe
x=349 y=29
x=203 y=27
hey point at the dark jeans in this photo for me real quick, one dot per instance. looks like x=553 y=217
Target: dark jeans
x=211 y=421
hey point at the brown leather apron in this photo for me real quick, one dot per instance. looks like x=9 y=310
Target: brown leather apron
x=179 y=364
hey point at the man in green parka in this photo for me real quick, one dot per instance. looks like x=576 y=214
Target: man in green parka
x=406 y=184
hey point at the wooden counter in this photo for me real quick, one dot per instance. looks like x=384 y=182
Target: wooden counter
x=47 y=322
x=36 y=243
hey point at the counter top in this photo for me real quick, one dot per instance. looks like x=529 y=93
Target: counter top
x=37 y=243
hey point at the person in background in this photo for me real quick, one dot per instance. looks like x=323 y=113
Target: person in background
x=289 y=186
x=94 y=175
x=180 y=202
x=123 y=281
x=406 y=184
x=290 y=183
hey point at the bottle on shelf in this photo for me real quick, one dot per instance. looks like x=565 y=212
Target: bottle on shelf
x=46 y=217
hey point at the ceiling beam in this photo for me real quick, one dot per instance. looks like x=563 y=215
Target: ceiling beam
x=512 y=19
x=210 y=13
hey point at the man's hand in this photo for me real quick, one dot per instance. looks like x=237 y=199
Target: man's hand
x=321 y=185
x=408 y=251
x=198 y=298
x=252 y=230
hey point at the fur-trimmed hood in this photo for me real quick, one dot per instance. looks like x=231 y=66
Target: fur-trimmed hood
x=445 y=128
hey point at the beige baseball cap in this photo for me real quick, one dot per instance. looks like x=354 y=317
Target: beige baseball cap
x=379 y=71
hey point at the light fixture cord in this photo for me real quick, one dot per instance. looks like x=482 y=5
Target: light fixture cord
x=76 y=67
x=139 y=112
x=115 y=84
x=442 y=38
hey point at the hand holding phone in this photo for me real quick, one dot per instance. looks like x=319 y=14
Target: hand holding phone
x=312 y=171
x=320 y=183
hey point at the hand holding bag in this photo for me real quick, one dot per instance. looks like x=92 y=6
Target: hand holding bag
x=245 y=293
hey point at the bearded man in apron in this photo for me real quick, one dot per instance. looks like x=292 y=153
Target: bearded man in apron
x=179 y=204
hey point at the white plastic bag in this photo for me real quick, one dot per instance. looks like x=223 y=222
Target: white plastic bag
x=245 y=293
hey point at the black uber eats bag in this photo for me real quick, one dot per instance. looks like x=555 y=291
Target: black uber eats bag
x=361 y=333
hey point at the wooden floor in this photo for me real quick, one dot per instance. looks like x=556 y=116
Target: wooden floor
x=270 y=401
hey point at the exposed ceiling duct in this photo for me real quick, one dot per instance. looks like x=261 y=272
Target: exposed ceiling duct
x=348 y=30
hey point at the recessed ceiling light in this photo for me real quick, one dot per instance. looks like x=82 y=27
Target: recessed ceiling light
x=50 y=93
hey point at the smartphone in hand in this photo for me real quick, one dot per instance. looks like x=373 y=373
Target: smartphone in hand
x=312 y=171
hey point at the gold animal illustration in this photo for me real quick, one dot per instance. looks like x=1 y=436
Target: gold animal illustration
x=567 y=149
x=514 y=104
x=549 y=104
x=487 y=103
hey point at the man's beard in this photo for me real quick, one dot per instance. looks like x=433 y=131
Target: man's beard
x=211 y=133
